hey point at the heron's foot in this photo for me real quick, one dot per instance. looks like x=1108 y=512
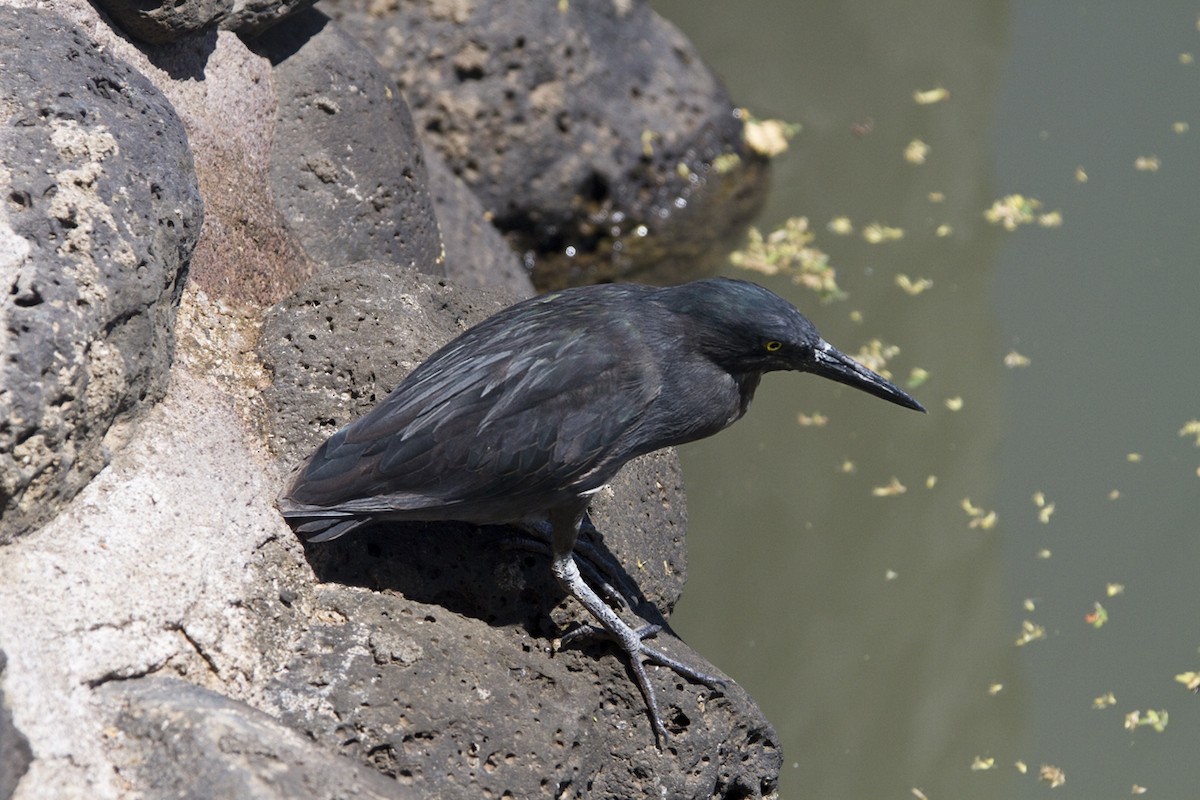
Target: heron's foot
x=585 y=632
x=629 y=639
x=632 y=641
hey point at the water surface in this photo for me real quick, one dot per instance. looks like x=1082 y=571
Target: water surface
x=879 y=632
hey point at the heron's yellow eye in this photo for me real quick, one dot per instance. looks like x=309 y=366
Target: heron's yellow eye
x=773 y=345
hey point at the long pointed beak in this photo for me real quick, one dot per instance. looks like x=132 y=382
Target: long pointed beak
x=829 y=362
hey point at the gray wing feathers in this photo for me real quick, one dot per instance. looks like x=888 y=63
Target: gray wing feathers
x=511 y=410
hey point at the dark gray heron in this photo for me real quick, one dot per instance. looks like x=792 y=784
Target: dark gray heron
x=523 y=417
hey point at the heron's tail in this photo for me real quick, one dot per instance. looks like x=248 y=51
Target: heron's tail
x=318 y=524
x=324 y=528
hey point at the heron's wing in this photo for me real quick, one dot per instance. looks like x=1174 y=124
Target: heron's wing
x=521 y=408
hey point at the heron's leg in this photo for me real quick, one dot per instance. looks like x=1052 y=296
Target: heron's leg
x=565 y=526
x=599 y=568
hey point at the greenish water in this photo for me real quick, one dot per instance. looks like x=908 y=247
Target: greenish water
x=875 y=630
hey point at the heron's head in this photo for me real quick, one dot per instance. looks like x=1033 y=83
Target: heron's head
x=745 y=328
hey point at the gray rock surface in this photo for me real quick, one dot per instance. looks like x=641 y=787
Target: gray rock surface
x=14 y=747
x=225 y=94
x=347 y=169
x=344 y=340
x=179 y=740
x=162 y=23
x=419 y=652
x=253 y=17
x=102 y=212
x=158 y=23
x=170 y=561
x=475 y=252
x=590 y=125
x=430 y=651
x=292 y=185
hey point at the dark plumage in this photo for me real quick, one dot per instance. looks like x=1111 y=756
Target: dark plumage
x=529 y=412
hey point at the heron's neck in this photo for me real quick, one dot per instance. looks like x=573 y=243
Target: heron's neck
x=747 y=383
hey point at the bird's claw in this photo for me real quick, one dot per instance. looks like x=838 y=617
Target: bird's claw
x=639 y=652
x=583 y=632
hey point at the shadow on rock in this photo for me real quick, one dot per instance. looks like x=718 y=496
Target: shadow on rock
x=496 y=574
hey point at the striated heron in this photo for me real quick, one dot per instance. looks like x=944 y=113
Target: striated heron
x=523 y=417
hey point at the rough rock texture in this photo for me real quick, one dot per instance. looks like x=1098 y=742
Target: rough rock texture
x=418 y=652
x=157 y=23
x=347 y=170
x=14 y=747
x=345 y=339
x=429 y=657
x=590 y=125
x=475 y=252
x=282 y=199
x=202 y=744
x=102 y=211
x=252 y=17
x=246 y=252
x=171 y=560
x=160 y=23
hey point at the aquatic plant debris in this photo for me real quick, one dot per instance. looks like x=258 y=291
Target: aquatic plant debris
x=788 y=250
x=1051 y=219
x=878 y=233
x=1106 y=700
x=1190 y=679
x=726 y=162
x=1045 y=508
x=1030 y=632
x=1155 y=720
x=927 y=97
x=979 y=518
x=892 y=489
x=1014 y=360
x=1097 y=617
x=841 y=226
x=1015 y=210
x=1191 y=428
x=913 y=287
x=916 y=152
x=875 y=354
x=1052 y=775
x=767 y=137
